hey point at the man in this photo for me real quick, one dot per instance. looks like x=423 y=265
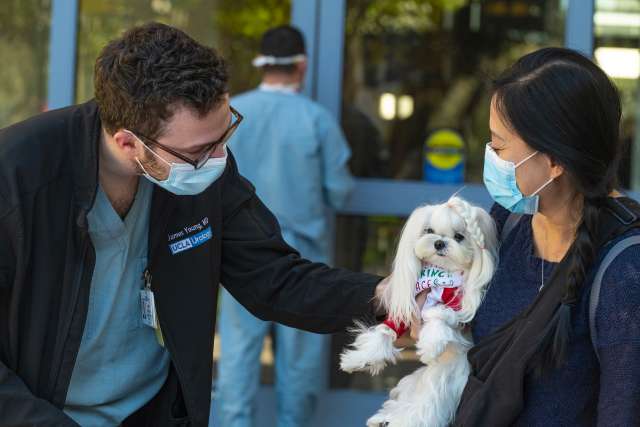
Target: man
x=292 y=149
x=83 y=338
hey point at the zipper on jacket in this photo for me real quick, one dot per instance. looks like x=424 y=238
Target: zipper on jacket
x=81 y=281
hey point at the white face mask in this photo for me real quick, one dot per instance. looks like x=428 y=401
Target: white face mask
x=185 y=180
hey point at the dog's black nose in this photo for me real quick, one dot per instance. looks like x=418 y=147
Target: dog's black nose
x=439 y=245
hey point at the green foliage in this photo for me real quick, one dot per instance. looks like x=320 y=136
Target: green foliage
x=233 y=27
x=377 y=16
x=24 y=45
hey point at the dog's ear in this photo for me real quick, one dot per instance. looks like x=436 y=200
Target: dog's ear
x=398 y=298
x=489 y=230
x=483 y=266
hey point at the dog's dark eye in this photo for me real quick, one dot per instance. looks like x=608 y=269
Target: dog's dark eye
x=458 y=237
x=429 y=230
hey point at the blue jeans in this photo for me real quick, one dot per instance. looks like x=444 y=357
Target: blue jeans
x=301 y=362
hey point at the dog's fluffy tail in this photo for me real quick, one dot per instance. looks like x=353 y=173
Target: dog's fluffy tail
x=372 y=350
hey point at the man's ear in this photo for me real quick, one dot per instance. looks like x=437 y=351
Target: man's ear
x=127 y=142
x=301 y=68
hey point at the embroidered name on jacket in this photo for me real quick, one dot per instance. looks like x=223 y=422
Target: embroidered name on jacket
x=204 y=234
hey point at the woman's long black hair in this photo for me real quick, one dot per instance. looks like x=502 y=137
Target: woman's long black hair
x=563 y=105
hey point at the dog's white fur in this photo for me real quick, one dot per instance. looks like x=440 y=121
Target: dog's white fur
x=430 y=395
x=375 y=349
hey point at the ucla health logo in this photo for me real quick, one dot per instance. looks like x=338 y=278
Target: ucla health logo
x=191 y=241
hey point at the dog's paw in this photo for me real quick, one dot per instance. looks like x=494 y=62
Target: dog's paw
x=371 y=352
x=352 y=361
x=378 y=420
x=430 y=351
x=434 y=337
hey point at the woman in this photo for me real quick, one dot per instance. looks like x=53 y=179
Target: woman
x=554 y=123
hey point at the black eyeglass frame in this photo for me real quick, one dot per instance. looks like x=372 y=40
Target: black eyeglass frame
x=207 y=150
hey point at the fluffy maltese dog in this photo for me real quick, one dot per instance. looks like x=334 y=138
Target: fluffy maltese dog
x=448 y=251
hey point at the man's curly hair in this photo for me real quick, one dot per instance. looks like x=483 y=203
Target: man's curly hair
x=144 y=75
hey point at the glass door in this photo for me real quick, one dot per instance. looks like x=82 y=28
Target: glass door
x=415 y=107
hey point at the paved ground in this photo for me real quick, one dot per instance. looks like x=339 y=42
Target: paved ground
x=343 y=408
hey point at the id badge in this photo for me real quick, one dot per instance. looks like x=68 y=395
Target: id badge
x=148 y=306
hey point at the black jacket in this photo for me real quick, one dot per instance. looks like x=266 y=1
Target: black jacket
x=48 y=181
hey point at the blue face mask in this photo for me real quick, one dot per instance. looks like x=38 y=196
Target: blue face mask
x=500 y=179
x=184 y=180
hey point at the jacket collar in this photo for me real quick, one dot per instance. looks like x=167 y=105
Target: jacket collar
x=85 y=138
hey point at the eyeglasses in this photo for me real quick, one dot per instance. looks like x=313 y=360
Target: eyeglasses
x=206 y=150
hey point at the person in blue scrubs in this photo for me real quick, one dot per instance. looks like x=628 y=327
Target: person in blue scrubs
x=108 y=365
x=293 y=150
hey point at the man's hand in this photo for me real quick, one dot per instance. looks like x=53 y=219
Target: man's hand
x=416 y=323
x=380 y=288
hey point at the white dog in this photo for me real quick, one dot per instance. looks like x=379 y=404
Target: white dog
x=449 y=251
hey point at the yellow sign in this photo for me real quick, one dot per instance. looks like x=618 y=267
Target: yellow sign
x=444 y=149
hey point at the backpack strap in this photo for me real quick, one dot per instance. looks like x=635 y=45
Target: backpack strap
x=616 y=250
x=509 y=225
